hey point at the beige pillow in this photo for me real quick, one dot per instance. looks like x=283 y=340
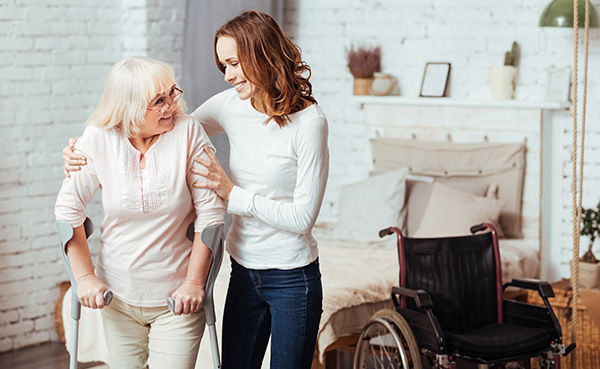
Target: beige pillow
x=452 y=212
x=418 y=192
x=368 y=206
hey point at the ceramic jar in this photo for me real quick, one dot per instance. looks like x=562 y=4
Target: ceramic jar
x=382 y=84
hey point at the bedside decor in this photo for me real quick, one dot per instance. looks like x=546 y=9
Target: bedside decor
x=503 y=78
x=435 y=80
x=363 y=62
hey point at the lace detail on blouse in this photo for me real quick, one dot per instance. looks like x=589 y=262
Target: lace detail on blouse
x=142 y=190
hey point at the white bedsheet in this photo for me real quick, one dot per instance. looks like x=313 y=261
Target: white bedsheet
x=357 y=281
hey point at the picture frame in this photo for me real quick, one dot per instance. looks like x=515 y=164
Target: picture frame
x=435 y=79
x=558 y=84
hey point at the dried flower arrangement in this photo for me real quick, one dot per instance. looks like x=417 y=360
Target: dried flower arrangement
x=590 y=226
x=363 y=61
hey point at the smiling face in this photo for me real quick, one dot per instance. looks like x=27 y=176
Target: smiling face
x=228 y=57
x=159 y=115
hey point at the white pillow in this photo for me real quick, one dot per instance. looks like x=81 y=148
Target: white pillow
x=368 y=206
x=452 y=212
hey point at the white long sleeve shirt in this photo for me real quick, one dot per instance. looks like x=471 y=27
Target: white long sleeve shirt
x=280 y=176
x=144 y=251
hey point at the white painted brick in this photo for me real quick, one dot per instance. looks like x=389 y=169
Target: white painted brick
x=35 y=311
x=12 y=14
x=8 y=317
x=6 y=344
x=11 y=260
x=18 y=328
x=44 y=323
x=31 y=339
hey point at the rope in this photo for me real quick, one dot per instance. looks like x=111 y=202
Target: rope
x=575 y=261
x=577 y=207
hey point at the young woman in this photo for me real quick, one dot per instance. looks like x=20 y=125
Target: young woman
x=279 y=164
x=139 y=147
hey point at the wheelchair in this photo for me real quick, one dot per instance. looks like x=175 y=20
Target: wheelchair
x=450 y=313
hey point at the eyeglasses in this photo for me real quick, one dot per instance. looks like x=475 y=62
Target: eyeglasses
x=163 y=103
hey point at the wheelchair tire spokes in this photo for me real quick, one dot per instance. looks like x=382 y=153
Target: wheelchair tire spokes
x=385 y=343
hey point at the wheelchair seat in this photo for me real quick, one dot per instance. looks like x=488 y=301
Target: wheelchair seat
x=450 y=303
x=495 y=341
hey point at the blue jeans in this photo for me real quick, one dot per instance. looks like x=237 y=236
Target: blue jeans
x=285 y=304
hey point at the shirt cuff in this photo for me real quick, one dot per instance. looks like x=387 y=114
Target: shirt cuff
x=240 y=201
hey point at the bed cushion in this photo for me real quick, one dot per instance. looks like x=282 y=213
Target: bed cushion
x=418 y=192
x=368 y=206
x=485 y=162
x=452 y=212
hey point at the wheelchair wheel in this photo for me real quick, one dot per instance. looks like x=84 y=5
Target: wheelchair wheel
x=387 y=342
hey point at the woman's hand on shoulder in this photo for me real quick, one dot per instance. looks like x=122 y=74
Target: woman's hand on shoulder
x=214 y=173
x=73 y=162
x=188 y=297
x=90 y=291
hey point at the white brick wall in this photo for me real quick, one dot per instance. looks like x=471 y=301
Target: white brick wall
x=472 y=35
x=55 y=55
x=54 y=59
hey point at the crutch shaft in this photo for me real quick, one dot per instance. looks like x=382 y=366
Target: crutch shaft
x=214 y=344
x=74 y=342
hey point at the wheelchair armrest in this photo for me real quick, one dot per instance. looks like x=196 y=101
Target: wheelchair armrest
x=422 y=298
x=544 y=288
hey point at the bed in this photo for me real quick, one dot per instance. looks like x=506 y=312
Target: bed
x=424 y=188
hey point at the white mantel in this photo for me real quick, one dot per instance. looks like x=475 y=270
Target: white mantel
x=473 y=103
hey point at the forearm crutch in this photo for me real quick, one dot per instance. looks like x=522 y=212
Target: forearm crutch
x=65 y=233
x=212 y=236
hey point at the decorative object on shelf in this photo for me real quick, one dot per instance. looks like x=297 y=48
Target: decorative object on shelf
x=503 y=78
x=435 y=80
x=382 y=84
x=558 y=84
x=363 y=62
x=559 y=13
x=589 y=266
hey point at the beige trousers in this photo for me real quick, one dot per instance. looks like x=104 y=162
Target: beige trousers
x=140 y=338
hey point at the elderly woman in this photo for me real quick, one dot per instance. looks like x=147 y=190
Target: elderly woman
x=139 y=148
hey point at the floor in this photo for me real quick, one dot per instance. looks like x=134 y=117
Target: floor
x=51 y=355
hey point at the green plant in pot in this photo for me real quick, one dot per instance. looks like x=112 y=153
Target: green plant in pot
x=503 y=78
x=363 y=62
x=590 y=227
x=589 y=266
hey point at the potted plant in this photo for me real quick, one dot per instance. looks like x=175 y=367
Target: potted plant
x=502 y=78
x=363 y=63
x=589 y=266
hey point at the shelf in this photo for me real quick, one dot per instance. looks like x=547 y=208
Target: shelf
x=471 y=103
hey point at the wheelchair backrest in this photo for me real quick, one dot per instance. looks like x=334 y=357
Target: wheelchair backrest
x=459 y=273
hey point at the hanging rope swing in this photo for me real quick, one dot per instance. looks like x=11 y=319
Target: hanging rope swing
x=577 y=180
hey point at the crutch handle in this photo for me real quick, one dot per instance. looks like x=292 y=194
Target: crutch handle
x=171 y=304
x=108 y=296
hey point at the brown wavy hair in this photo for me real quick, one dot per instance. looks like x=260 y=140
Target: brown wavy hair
x=271 y=62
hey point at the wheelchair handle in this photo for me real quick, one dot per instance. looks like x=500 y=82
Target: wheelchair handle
x=477 y=228
x=569 y=348
x=385 y=232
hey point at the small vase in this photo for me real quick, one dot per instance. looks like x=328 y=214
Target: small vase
x=362 y=86
x=382 y=84
x=502 y=81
